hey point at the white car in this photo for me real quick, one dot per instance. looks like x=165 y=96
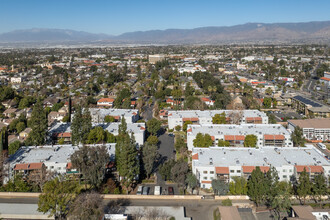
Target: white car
x=157 y=190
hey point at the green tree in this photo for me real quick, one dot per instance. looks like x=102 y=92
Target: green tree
x=109 y=119
x=13 y=147
x=250 y=140
x=96 y=135
x=238 y=186
x=153 y=126
x=267 y=102
x=219 y=118
x=269 y=91
x=178 y=128
x=179 y=143
x=256 y=186
x=81 y=125
x=222 y=143
x=20 y=127
x=127 y=156
x=281 y=203
x=149 y=152
x=297 y=137
x=56 y=197
x=185 y=125
x=220 y=187
x=203 y=140
x=38 y=124
x=91 y=162
x=304 y=186
x=110 y=137
x=153 y=140
x=191 y=181
x=66 y=119
x=165 y=169
x=319 y=187
x=226 y=202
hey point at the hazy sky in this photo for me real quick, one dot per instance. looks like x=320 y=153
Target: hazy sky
x=119 y=16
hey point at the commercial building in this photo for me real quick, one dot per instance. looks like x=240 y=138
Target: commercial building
x=225 y=163
x=267 y=134
x=55 y=158
x=310 y=107
x=156 y=58
x=313 y=129
x=130 y=115
x=205 y=117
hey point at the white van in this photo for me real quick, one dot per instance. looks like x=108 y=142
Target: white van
x=139 y=191
x=157 y=190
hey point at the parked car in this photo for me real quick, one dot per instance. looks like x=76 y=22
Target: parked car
x=157 y=190
x=139 y=191
x=145 y=190
x=170 y=190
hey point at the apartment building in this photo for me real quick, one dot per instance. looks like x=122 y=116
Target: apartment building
x=310 y=107
x=313 y=129
x=205 y=117
x=54 y=158
x=130 y=115
x=63 y=130
x=225 y=163
x=153 y=59
x=267 y=134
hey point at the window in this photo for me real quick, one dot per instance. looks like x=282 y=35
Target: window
x=284 y=170
x=211 y=178
x=290 y=171
x=211 y=172
x=284 y=176
x=232 y=171
x=51 y=167
x=205 y=178
x=205 y=172
x=238 y=171
x=59 y=168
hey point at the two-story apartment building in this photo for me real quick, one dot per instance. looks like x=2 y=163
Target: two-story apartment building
x=205 y=117
x=267 y=134
x=225 y=163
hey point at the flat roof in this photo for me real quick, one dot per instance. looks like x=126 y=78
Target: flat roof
x=232 y=129
x=264 y=156
x=50 y=153
x=111 y=127
x=311 y=123
x=211 y=113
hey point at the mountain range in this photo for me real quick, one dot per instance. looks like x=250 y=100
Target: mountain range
x=304 y=32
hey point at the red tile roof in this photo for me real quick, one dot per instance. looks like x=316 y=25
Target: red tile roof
x=312 y=169
x=249 y=169
x=63 y=135
x=213 y=138
x=190 y=119
x=204 y=181
x=106 y=100
x=325 y=78
x=222 y=170
x=273 y=137
x=69 y=165
x=234 y=137
x=253 y=119
x=28 y=166
x=23 y=166
x=195 y=156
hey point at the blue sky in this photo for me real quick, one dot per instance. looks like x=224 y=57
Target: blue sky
x=119 y=16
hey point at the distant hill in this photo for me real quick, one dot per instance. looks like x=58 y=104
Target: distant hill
x=50 y=35
x=307 y=32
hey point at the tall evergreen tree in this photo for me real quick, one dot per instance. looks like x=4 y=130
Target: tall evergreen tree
x=319 y=187
x=38 y=123
x=256 y=186
x=127 y=156
x=303 y=189
x=81 y=125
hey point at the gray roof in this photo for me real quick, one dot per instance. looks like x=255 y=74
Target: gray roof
x=265 y=156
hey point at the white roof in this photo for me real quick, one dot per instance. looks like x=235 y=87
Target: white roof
x=265 y=156
x=211 y=113
x=232 y=129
